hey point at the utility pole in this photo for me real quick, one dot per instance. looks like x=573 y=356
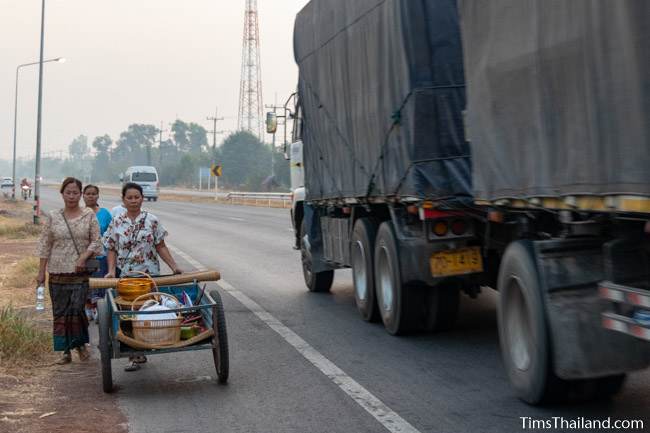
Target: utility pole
x=160 y=143
x=37 y=175
x=214 y=131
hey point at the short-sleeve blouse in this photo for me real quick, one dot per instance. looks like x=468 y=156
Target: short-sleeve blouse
x=56 y=245
x=135 y=242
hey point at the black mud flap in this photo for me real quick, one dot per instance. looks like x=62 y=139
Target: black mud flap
x=570 y=271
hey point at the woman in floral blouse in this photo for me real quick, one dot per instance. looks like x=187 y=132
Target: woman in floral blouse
x=69 y=238
x=134 y=240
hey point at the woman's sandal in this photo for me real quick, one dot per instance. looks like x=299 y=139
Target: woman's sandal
x=66 y=358
x=84 y=354
x=132 y=366
x=134 y=363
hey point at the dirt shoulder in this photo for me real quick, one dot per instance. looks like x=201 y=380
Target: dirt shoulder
x=38 y=395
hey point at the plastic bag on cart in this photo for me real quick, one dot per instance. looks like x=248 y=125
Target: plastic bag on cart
x=152 y=305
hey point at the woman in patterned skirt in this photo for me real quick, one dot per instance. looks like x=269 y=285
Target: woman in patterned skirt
x=133 y=242
x=69 y=238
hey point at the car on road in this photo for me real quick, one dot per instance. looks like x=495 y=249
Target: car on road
x=6 y=185
x=146 y=177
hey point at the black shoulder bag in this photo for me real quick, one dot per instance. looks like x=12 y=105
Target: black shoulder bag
x=92 y=264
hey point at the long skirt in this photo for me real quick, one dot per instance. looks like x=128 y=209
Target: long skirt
x=68 y=294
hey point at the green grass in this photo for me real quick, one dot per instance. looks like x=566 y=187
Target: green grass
x=20 y=339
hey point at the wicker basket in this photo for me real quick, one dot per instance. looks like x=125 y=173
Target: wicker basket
x=165 y=332
x=130 y=288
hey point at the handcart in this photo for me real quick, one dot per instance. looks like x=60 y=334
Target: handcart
x=116 y=320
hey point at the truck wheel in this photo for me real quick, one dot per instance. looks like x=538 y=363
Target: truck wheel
x=444 y=302
x=315 y=281
x=362 y=257
x=104 y=324
x=522 y=325
x=397 y=303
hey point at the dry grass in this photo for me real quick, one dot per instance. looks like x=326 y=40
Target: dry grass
x=20 y=339
x=12 y=228
x=22 y=274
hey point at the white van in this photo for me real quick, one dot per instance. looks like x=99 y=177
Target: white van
x=145 y=176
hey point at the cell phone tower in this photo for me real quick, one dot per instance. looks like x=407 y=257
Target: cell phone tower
x=250 y=90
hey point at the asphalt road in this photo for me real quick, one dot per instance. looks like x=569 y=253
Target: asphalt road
x=447 y=382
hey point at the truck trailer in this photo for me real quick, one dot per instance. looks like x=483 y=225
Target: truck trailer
x=444 y=146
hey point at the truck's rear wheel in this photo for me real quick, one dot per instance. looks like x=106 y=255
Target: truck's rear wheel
x=523 y=334
x=315 y=281
x=362 y=258
x=397 y=303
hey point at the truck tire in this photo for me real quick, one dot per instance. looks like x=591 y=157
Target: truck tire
x=315 y=281
x=523 y=331
x=104 y=324
x=396 y=302
x=362 y=252
x=443 y=303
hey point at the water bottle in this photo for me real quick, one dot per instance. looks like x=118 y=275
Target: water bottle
x=40 y=298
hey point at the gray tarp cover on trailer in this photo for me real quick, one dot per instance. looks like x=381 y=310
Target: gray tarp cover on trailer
x=558 y=96
x=382 y=90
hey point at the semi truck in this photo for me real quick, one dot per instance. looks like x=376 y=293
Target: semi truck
x=441 y=147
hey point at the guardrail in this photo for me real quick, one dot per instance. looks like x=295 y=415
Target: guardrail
x=270 y=199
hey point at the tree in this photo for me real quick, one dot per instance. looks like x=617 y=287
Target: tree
x=134 y=144
x=198 y=138
x=180 y=132
x=246 y=160
x=281 y=166
x=102 y=164
x=102 y=144
x=78 y=149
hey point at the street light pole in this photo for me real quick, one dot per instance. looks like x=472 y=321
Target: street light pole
x=37 y=175
x=13 y=170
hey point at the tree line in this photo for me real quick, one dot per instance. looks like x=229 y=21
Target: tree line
x=246 y=161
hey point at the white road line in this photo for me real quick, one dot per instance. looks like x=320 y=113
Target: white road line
x=371 y=404
x=236 y=219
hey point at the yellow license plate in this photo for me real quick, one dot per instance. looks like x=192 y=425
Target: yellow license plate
x=456 y=262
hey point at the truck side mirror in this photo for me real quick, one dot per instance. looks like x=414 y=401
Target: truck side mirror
x=121 y=178
x=271 y=122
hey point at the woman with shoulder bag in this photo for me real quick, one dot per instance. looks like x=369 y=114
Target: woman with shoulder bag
x=134 y=240
x=69 y=241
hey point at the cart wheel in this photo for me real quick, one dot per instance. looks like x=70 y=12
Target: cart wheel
x=220 y=339
x=104 y=324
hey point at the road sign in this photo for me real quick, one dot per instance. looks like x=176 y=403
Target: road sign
x=216 y=170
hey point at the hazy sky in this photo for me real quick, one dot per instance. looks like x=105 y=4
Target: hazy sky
x=134 y=61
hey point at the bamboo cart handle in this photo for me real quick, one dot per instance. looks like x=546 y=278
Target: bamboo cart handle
x=169 y=280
